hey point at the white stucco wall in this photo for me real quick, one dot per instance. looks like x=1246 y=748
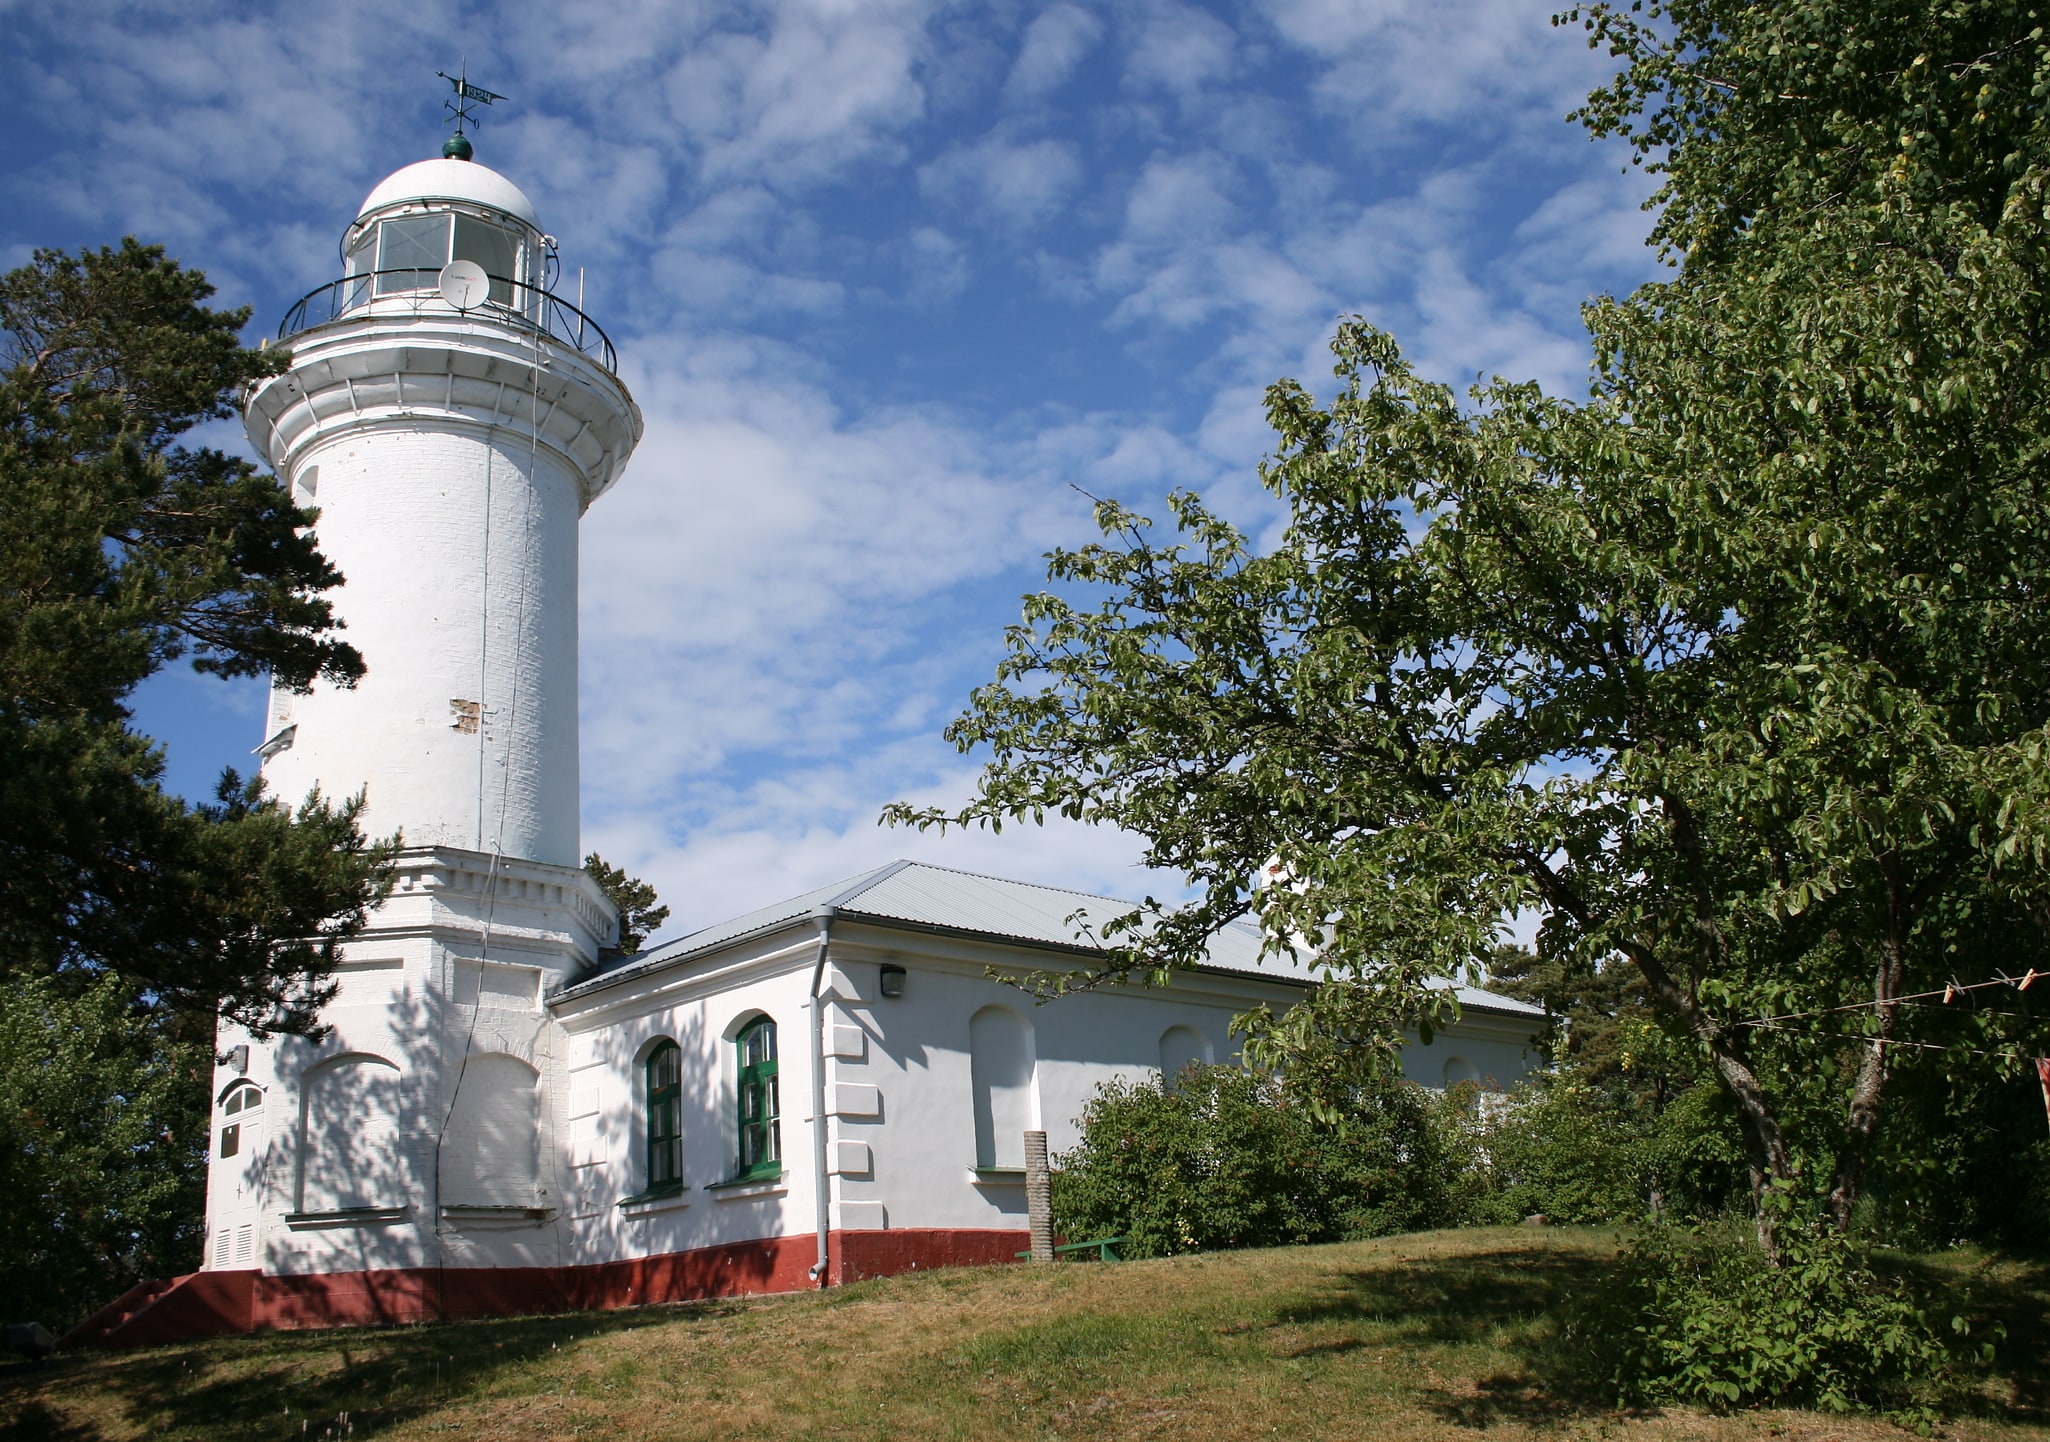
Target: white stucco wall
x=702 y=1010
x=460 y=549
x=901 y=1110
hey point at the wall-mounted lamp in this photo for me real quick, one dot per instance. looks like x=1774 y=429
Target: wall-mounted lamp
x=893 y=981
x=237 y=1058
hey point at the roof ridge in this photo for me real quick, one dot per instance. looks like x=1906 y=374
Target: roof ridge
x=1012 y=881
x=865 y=881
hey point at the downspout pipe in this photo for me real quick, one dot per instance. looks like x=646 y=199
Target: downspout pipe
x=822 y=1201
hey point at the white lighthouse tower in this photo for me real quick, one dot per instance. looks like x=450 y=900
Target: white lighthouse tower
x=451 y=418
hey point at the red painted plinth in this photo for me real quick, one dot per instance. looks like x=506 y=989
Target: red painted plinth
x=212 y=1303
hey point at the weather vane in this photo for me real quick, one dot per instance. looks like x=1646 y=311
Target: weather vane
x=458 y=147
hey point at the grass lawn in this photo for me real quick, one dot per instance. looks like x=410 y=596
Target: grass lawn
x=1445 y=1334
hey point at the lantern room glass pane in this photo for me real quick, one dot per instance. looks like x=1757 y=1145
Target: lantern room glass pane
x=493 y=249
x=362 y=261
x=411 y=251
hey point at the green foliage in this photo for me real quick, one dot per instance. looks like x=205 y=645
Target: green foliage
x=1737 y=671
x=639 y=916
x=1226 y=1158
x=122 y=549
x=1629 y=1124
x=1964 y=1158
x=1705 y=1317
x=103 y=1132
x=1578 y=1152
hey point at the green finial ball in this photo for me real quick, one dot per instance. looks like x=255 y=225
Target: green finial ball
x=458 y=147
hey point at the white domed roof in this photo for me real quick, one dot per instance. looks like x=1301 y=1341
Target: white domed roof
x=451 y=180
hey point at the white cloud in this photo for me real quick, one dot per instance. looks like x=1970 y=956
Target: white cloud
x=936 y=268
x=887 y=277
x=1015 y=185
x=1056 y=42
x=826 y=85
x=1485 y=64
x=1177 y=49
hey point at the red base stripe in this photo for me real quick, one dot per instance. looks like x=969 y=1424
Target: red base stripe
x=246 y=1301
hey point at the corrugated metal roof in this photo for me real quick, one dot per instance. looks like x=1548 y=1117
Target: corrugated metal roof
x=962 y=902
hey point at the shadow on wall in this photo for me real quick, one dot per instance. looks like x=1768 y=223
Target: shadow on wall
x=1001 y=1063
x=611 y=1143
x=367 y=1151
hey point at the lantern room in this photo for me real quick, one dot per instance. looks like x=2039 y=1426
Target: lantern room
x=429 y=214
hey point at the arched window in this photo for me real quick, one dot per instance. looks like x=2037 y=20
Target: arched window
x=1000 y=1063
x=1457 y=1070
x=240 y=1108
x=349 y=1135
x=491 y=1153
x=761 y=1131
x=665 y=1116
x=1181 y=1047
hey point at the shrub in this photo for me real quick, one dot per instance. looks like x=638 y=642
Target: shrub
x=1225 y=1158
x=1703 y=1316
x=1598 y=1154
x=103 y=1132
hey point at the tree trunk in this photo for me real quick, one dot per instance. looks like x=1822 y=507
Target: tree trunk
x=1765 y=1145
x=1861 y=1127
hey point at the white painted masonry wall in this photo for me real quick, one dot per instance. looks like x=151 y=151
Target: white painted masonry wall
x=901 y=1124
x=702 y=1009
x=442 y=1034
x=460 y=548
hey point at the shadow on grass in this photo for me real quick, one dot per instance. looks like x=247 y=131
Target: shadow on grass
x=1509 y=1299
x=2015 y=1296
x=1517 y=1300
x=303 y=1384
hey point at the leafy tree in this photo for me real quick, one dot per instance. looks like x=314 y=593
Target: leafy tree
x=103 y=1131
x=1734 y=672
x=639 y=916
x=123 y=549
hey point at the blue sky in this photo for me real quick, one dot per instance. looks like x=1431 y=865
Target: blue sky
x=890 y=281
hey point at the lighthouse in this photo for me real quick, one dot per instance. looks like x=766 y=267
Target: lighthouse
x=451 y=413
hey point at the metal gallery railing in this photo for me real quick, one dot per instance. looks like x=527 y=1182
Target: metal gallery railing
x=417 y=292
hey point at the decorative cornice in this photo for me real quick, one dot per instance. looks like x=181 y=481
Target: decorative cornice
x=403 y=371
x=458 y=883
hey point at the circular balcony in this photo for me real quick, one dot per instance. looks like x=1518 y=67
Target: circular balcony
x=416 y=292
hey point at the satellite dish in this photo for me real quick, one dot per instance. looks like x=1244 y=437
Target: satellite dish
x=464 y=284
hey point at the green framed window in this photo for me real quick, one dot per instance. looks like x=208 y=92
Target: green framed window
x=665 y=1116
x=761 y=1133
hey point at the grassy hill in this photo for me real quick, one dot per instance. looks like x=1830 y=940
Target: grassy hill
x=1445 y=1334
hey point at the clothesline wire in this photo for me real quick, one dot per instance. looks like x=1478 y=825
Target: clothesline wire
x=1944 y=993
x=1920 y=1045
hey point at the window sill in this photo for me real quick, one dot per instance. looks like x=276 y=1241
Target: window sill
x=656 y=1193
x=770 y=1185
x=997 y=1176
x=346 y=1217
x=495 y=1212
x=665 y=1198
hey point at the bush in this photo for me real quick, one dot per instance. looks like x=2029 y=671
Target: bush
x=1595 y=1154
x=1225 y=1158
x=1702 y=1316
x=103 y=1132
